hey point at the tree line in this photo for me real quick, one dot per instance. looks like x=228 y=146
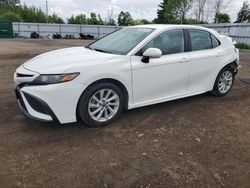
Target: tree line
x=199 y=11
x=169 y=12
x=11 y=10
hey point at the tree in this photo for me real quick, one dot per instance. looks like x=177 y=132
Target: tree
x=83 y=19
x=79 y=19
x=167 y=12
x=185 y=6
x=95 y=19
x=144 y=21
x=125 y=19
x=200 y=10
x=100 y=20
x=173 y=11
x=193 y=21
x=10 y=16
x=244 y=13
x=141 y=22
x=110 y=19
x=31 y=14
x=219 y=6
x=71 y=20
x=222 y=18
x=9 y=11
x=55 y=19
x=9 y=3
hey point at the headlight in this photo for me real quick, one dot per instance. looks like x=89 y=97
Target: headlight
x=54 y=79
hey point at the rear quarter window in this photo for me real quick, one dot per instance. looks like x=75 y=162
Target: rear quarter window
x=215 y=41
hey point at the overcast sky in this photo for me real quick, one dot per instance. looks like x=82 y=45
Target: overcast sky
x=138 y=8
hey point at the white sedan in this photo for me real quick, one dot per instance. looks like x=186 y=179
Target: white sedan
x=130 y=68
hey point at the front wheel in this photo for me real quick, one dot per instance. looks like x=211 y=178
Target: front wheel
x=224 y=82
x=100 y=104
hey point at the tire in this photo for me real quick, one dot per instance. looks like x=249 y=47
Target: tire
x=97 y=102
x=225 y=79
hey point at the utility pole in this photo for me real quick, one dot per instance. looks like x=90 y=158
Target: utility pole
x=47 y=11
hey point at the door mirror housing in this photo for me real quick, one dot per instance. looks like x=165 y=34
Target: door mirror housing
x=151 y=53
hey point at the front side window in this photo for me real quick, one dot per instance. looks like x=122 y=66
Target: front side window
x=121 y=42
x=200 y=40
x=169 y=42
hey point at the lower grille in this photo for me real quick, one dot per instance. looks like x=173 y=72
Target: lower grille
x=36 y=104
x=19 y=97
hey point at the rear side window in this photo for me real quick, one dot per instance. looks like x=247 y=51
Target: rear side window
x=200 y=40
x=215 y=42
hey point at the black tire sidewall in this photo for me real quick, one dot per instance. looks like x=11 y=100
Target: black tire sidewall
x=82 y=107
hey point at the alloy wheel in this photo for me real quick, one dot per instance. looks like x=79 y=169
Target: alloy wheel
x=225 y=82
x=103 y=105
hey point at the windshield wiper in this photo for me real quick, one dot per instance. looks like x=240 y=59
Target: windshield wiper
x=89 y=47
x=100 y=50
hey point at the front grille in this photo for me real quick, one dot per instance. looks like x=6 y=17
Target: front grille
x=24 y=75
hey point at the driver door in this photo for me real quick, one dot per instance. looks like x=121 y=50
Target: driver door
x=165 y=77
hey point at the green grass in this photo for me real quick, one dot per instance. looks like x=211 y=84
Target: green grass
x=242 y=46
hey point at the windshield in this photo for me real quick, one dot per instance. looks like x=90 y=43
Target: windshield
x=122 y=41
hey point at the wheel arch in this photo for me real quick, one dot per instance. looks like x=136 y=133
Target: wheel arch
x=114 y=81
x=233 y=65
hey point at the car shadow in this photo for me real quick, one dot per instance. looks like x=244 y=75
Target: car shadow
x=128 y=115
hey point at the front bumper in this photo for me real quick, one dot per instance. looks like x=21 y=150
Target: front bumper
x=43 y=111
x=56 y=102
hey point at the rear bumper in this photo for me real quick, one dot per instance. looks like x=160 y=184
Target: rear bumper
x=238 y=66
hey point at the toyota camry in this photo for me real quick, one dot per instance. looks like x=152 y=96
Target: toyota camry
x=132 y=67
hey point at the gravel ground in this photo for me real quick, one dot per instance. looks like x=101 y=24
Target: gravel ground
x=200 y=141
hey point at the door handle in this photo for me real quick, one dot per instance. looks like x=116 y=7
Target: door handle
x=183 y=60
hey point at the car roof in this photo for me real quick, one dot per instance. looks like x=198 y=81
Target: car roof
x=170 y=26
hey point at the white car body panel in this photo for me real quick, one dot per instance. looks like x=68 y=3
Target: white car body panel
x=167 y=78
x=59 y=61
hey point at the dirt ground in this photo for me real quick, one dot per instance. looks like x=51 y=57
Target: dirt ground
x=200 y=141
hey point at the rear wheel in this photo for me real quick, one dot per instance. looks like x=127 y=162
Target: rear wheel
x=101 y=104
x=224 y=82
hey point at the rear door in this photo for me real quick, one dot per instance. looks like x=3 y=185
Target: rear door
x=205 y=56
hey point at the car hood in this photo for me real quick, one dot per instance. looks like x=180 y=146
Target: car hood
x=59 y=61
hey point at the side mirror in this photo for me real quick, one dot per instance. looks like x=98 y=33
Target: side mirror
x=234 y=42
x=151 y=53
